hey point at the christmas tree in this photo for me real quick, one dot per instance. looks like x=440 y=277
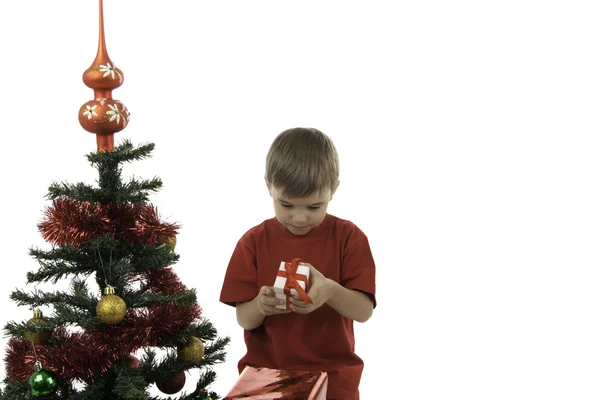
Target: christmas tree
x=124 y=296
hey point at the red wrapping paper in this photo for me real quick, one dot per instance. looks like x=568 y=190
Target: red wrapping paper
x=268 y=384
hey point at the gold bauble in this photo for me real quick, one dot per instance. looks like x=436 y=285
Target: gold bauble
x=192 y=352
x=39 y=337
x=111 y=308
x=171 y=242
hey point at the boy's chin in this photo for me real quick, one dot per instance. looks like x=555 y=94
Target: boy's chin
x=298 y=231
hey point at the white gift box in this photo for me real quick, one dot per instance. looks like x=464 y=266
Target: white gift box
x=279 y=285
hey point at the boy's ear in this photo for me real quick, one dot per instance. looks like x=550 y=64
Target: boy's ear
x=268 y=187
x=335 y=188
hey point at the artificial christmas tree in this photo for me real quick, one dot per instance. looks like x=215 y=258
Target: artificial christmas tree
x=81 y=347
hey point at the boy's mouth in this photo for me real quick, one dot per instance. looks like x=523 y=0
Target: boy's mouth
x=299 y=228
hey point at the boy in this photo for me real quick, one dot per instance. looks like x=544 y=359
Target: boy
x=302 y=174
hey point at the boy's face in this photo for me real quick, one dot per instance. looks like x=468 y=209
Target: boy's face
x=300 y=215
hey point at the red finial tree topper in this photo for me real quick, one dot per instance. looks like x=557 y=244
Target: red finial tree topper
x=103 y=116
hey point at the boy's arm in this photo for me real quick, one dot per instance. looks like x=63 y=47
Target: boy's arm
x=350 y=303
x=251 y=314
x=248 y=314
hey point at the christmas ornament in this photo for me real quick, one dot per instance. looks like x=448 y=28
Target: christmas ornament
x=103 y=115
x=171 y=242
x=173 y=385
x=43 y=382
x=39 y=337
x=192 y=352
x=133 y=361
x=111 y=308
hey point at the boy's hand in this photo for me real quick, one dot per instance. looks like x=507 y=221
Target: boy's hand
x=320 y=291
x=267 y=301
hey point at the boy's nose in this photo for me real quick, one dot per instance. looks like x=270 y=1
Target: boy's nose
x=299 y=218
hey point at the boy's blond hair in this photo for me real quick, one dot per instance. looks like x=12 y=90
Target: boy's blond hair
x=302 y=162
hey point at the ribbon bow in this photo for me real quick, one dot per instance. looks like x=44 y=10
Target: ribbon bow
x=291 y=282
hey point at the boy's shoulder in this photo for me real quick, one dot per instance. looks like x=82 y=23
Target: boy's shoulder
x=342 y=223
x=345 y=227
x=260 y=230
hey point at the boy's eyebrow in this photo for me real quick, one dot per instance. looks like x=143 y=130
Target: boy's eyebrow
x=311 y=205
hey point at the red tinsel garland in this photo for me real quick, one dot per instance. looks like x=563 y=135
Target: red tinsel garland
x=86 y=355
x=70 y=222
x=164 y=281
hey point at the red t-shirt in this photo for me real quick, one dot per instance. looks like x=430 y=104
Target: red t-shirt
x=319 y=341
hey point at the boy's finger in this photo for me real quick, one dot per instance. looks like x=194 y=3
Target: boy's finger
x=274 y=310
x=296 y=300
x=266 y=290
x=271 y=301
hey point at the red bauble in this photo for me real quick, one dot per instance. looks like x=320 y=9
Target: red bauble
x=133 y=361
x=172 y=385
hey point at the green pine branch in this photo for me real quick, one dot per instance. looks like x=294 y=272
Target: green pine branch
x=55 y=271
x=155 y=370
x=63 y=253
x=80 y=298
x=130 y=384
x=14 y=390
x=124 y=152
x=110 y=186
x=150 y=258
x=185 y=299
x=204 y=330
x=205 y=379
x=79 y=191
x=103 y=256
x=111 y=190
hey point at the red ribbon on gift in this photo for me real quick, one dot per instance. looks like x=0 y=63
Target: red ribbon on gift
x=291 y=282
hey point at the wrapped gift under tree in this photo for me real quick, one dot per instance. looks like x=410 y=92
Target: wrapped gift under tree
x=267 y=384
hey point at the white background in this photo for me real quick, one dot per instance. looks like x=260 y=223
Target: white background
x=468 y=137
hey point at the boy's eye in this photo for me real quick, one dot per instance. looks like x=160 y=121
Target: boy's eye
x=291 y=205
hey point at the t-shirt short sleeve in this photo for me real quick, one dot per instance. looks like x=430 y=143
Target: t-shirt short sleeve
x=241 y=279
x=358 y=266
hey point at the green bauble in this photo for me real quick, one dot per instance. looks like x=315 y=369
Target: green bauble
x=42 y=383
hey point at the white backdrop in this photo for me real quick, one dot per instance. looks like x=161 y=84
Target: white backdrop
x=468 y=136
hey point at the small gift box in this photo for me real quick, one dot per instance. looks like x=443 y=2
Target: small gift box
x=292 y=280
x=267 y=384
